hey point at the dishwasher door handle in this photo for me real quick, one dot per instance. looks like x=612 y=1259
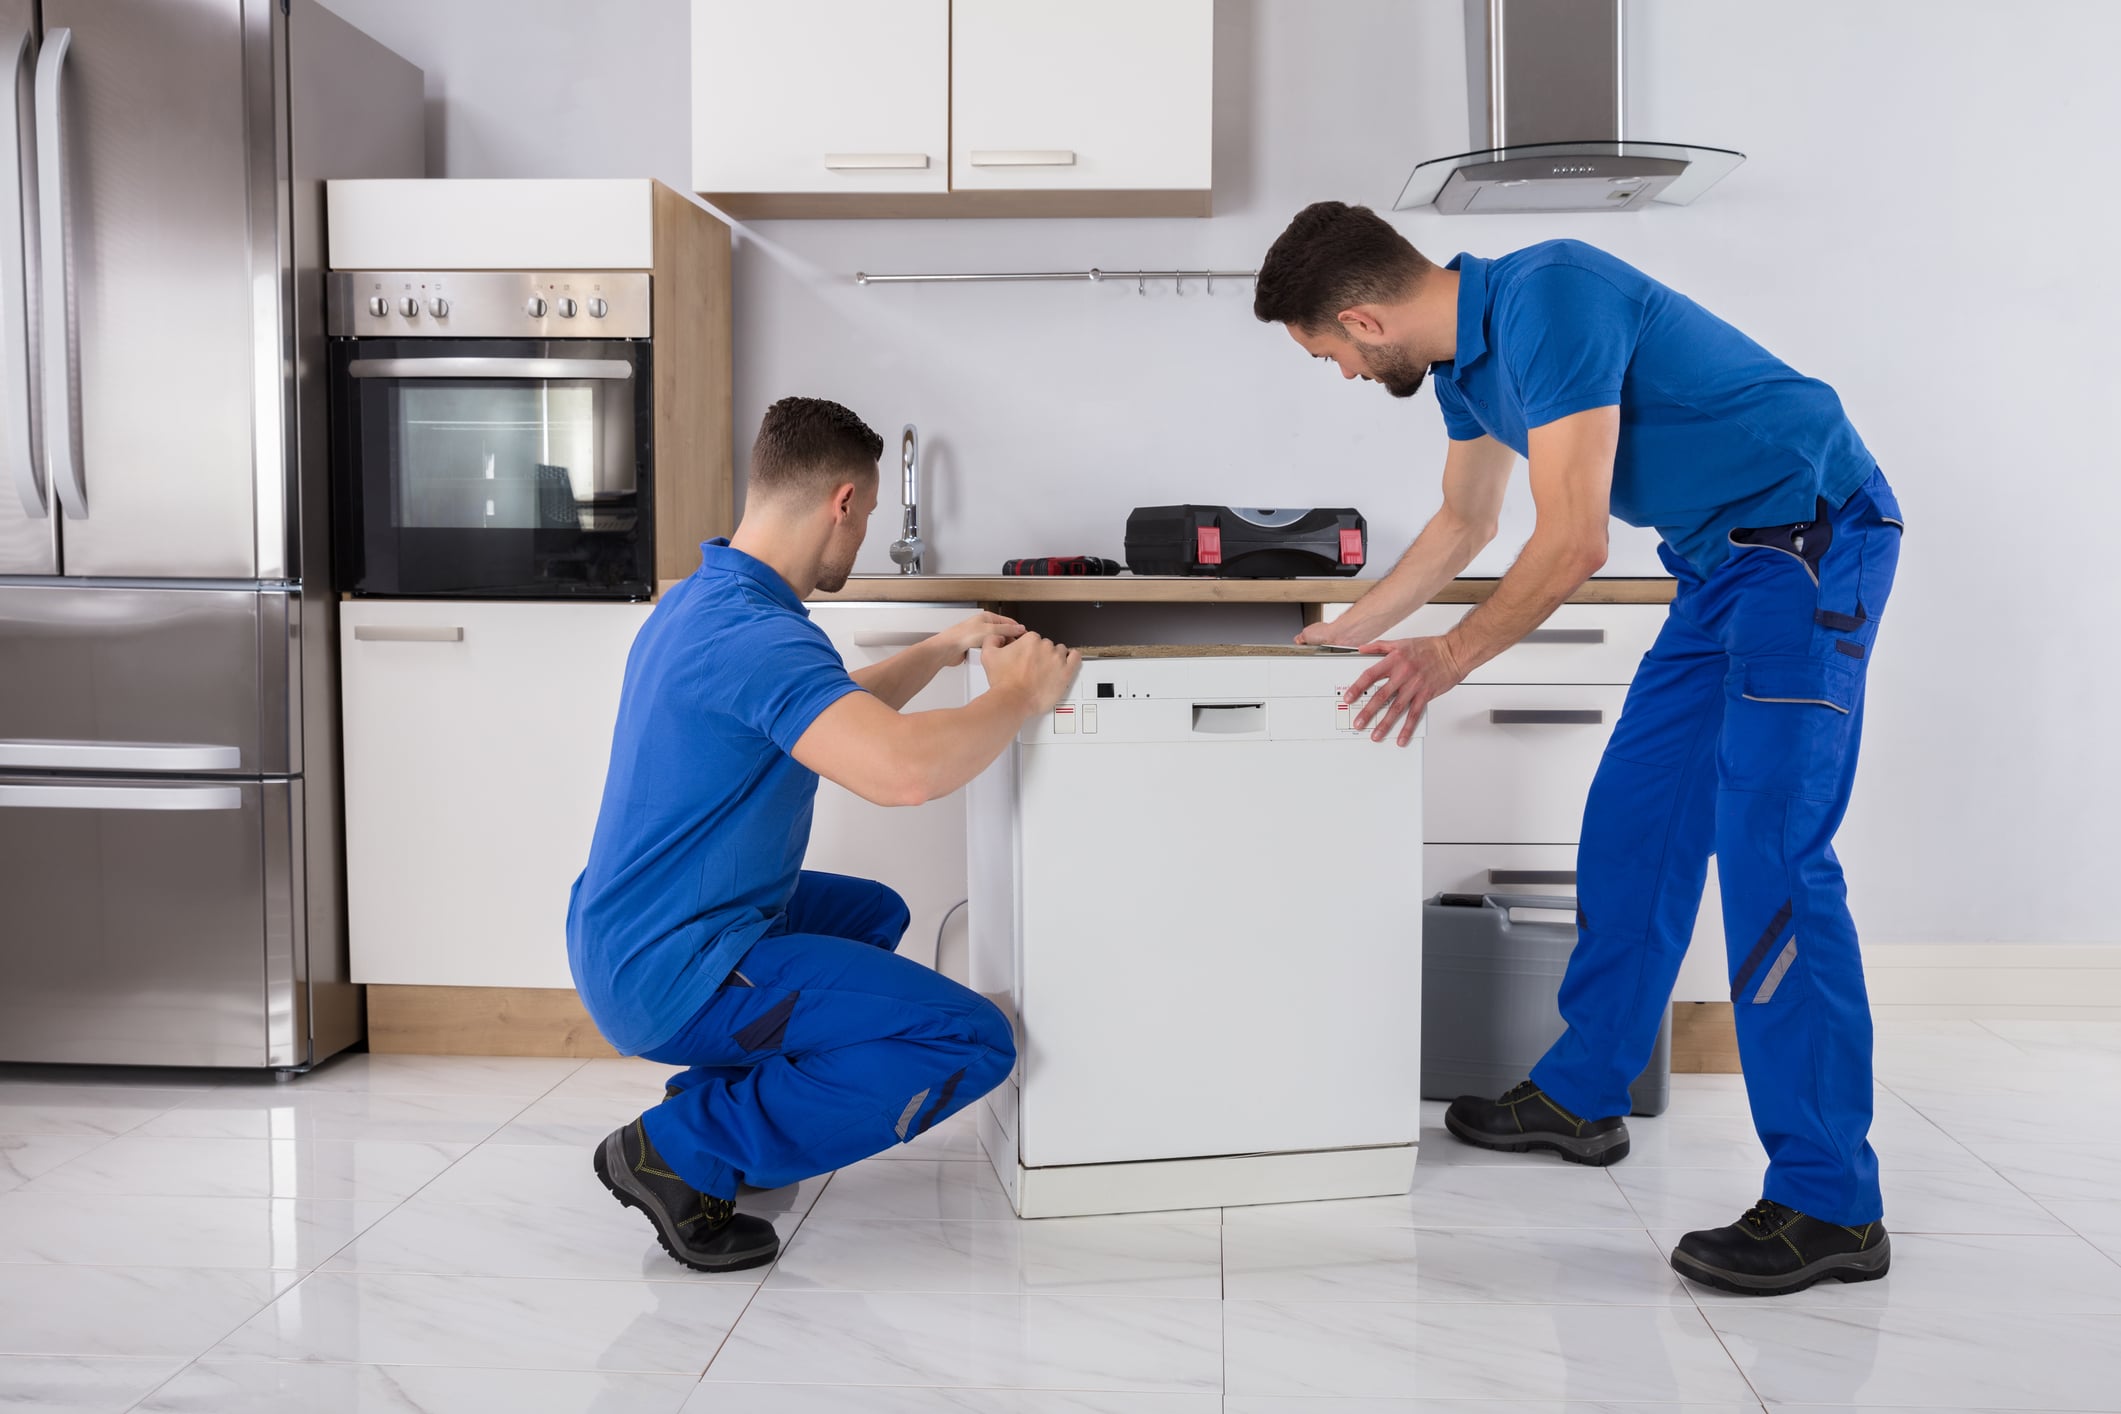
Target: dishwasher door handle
x=1229 y=718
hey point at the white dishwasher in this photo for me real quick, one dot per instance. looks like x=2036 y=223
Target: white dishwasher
x=1197 y=890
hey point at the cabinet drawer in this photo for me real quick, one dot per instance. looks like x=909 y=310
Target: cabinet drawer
x=1593 y=643
x=1512 y=764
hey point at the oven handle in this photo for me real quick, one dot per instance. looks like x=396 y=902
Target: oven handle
x=615 y=368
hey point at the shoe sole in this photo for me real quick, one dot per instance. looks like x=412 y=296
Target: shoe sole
x=1598 y=1150
x=624 y=1187
x=1846 y=1266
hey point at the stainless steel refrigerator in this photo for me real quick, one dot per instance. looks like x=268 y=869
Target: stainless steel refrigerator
x=171 y=889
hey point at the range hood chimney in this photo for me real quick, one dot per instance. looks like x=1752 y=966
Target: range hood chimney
x=1546 y=91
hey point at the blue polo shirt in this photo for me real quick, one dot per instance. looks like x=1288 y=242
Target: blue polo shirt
x=706 y=814
x=1715 y=431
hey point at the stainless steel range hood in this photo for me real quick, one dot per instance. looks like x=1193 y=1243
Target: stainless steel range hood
x=1546 y=91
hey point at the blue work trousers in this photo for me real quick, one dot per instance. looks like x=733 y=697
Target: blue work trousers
x=1739 y=739
x=822 y=1048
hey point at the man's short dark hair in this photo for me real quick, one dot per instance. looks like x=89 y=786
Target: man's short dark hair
x=1333 y=257
x=807 y=446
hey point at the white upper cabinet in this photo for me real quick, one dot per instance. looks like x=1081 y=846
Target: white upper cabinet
x=953 y=107
x=821 y=96
x=1095 y=95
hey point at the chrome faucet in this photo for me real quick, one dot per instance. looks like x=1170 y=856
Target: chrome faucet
x=906 y=551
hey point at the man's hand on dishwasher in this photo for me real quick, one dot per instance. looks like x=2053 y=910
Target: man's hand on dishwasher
x=1344 y=632
x=1410 y=674
x=961 y=638
x=1034 y=670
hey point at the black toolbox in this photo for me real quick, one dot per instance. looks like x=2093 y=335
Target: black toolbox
x=1246 y=543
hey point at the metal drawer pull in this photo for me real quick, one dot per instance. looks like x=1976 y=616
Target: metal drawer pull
x=890 y=640
x=876 y=161
x=70 y=797
x=115 y=756
x=613 y=368
x=1564 y=635
x=1524 y=878
x=1024 y=157
x=1546 y=716
x=406 y=633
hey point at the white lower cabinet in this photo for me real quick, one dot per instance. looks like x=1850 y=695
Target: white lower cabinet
x=477 y=736
x=917 y=850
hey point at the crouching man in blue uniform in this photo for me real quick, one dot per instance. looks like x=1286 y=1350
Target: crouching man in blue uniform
x=1739 y=734
x=694 y=935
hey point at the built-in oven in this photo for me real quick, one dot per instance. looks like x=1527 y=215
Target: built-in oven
x=491 y=434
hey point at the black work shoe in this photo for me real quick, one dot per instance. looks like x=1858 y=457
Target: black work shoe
x=705 y=1233
x=1524 y=1118
x=1774 y=1250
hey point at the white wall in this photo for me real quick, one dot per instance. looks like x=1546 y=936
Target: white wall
x=1922 y=221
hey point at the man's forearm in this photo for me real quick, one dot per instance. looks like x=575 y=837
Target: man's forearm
x=899 y=678
x=1446 y=545
x=950 y=746
x=1545 y=575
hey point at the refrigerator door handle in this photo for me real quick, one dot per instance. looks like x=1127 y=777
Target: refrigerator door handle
x=14 y=290
x=115 y=756
x=56 y=347
x=87 y=797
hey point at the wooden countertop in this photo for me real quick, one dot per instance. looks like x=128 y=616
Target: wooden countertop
x=1152 y=589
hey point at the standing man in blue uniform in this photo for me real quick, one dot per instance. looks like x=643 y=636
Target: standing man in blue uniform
x=695 y=937
x=1739 y=734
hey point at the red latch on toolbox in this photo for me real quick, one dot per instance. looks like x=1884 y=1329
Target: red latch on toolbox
x=1351 y=546
x=1210 y=551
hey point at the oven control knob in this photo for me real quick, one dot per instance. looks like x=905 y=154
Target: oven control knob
x=567 y=308
x=378 y=306
x=438 y=307
x=597 y=308
x=536 y=307
x=410 y=307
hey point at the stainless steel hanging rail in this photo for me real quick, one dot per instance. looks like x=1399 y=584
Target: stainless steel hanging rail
x=1093 y=275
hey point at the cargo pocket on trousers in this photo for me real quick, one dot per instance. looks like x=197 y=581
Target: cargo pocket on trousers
x=1788 y=722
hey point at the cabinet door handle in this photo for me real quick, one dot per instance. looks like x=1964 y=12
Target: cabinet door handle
x=1564 y=635
x=876 y=161
x=1546 y=716
x=1023 y=157
x=406 y=633
x=1526 y=878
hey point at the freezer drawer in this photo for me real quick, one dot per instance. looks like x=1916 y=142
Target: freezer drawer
x=196 y=681
x=137 y=918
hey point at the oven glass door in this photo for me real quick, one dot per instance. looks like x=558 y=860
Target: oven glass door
x=494 y=467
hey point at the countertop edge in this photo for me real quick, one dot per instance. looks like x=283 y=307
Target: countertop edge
x=1131 y=589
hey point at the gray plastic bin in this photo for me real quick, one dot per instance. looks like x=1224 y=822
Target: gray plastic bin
x=1489 y=998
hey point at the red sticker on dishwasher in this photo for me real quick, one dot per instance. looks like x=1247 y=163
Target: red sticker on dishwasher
x=1210 y=550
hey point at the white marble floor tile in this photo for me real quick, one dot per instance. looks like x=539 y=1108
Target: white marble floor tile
x=2098 y=1221
x=2061 y=1172
x=1272 y=1404
x=287 y=1234
x=1445 y=1195
x=126 y=1312
x=908 y=1188
x=712 y=1398
x=25 y=1156
x=1056 y=1257
x=1929 y=1359
x=1966 y=1273
x=1010 y=1342
x=1905 y=1140
x=28 y=1107
x=627 y=1078
x=954 y=1138
x=518 y=1077
x=2065 y=1037
x=60 y=1384
x=650 y=1327
x=1651 y=1354
x=1972 y=1200
x=280 y=1387
x=285 y=1112
x=1536 y=1266
x=547 y=1177
x=573 y=1121
x=376 y=1169
x=459 y=1239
